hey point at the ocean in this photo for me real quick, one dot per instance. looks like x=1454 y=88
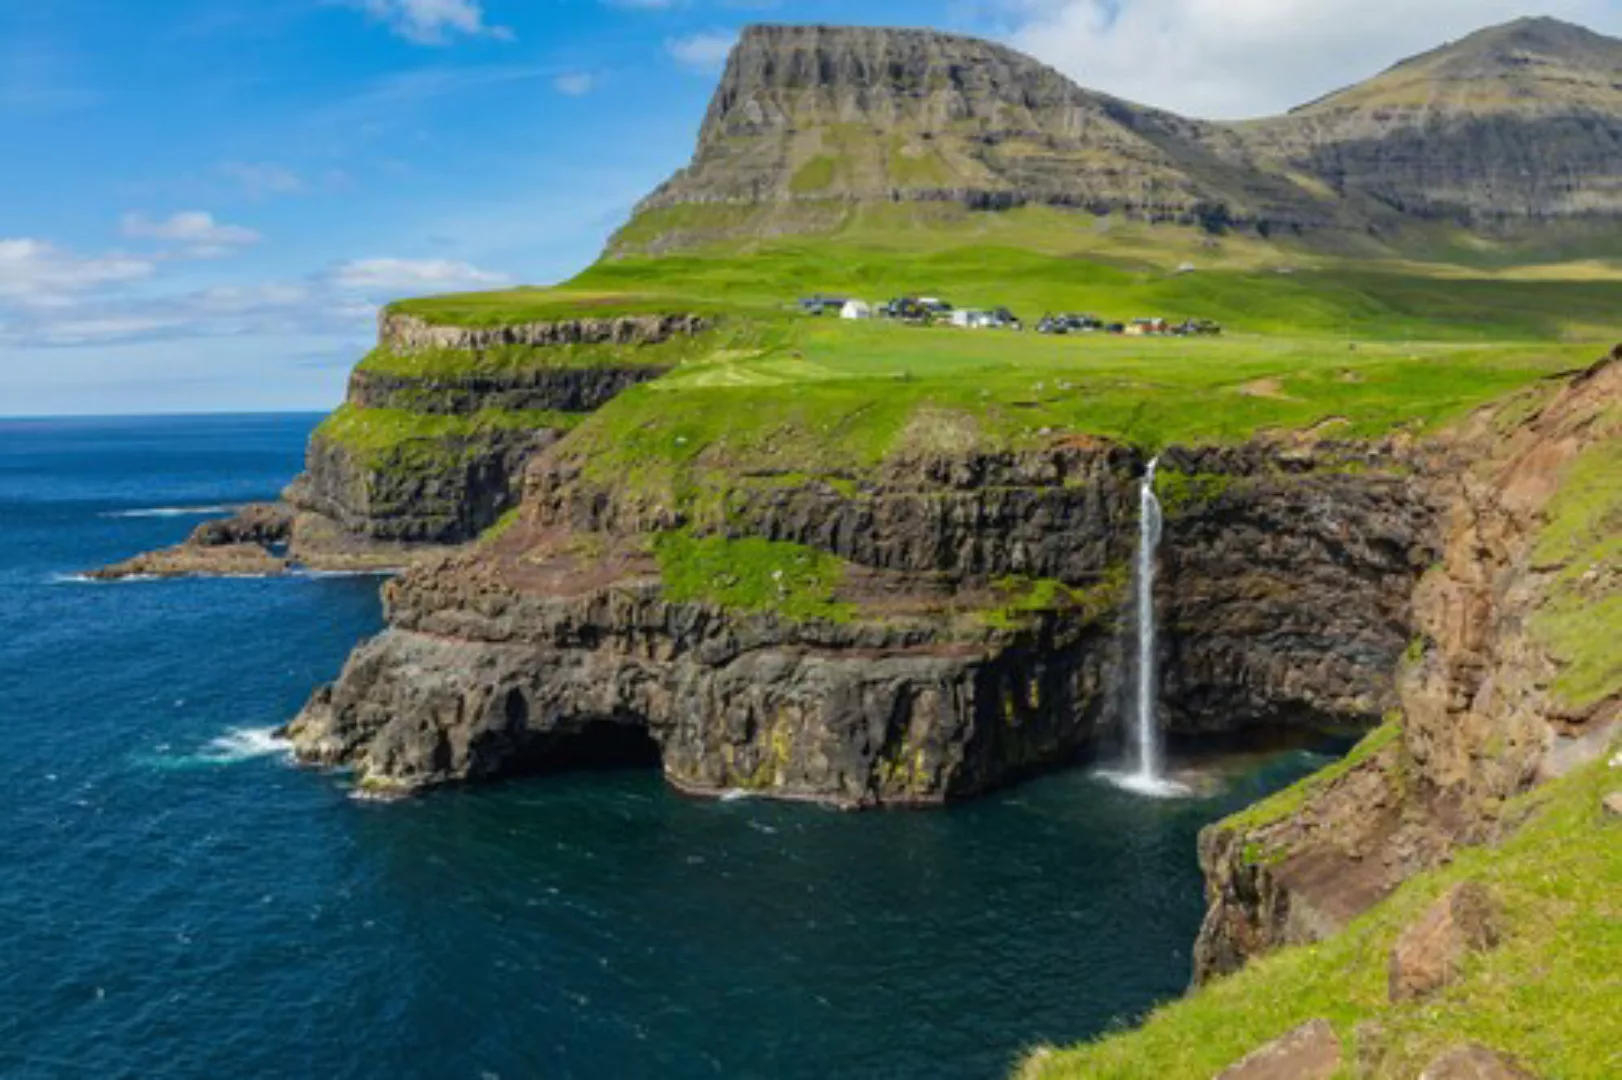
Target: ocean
x=178 y=900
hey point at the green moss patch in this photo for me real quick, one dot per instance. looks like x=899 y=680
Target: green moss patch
x=791 y=580
x=814 y=176
x=1022 y=598
x=1182 y=493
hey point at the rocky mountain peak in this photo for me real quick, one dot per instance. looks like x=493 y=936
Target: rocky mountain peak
x=1520 y=121
x=1534 y=64
x=784 y=77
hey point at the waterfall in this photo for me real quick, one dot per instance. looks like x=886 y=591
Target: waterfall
x=1145 y=776
x=1149 y=529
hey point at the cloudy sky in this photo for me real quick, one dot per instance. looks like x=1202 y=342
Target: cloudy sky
x=204 y=201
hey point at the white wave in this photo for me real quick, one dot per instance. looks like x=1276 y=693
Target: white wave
x=245 y=744
x=736 y=795
x=172 y=511
x=86 y=579
x=1153 y=787
x=319 y=575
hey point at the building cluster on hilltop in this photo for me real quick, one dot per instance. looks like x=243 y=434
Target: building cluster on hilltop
x=933 y=311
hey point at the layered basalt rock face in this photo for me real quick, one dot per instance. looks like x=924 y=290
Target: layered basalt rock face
x=1287 y=580
x=1485 y=710
x=453 y=478
x=927 y=688
x=429 y=448
x=936 y=684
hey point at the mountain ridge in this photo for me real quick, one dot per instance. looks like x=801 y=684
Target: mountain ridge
x=1515 y=123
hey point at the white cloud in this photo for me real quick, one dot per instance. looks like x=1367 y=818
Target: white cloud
x=381 y=278
x=433 y=22
x=203 y=236
x=37 y=274
x=100 y=330
x=575 y=83
x=704 y=53
x=54 y=298
x=1237 y=58
x=262 y=178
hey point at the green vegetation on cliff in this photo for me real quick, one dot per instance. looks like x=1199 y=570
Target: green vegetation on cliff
x=752 y=575
x=1581 y=624
x=1549 y=994
x=397 y=438
x=1289 y=802
x=1021 y=598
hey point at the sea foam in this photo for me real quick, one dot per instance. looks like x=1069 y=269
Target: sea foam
x=171 y=511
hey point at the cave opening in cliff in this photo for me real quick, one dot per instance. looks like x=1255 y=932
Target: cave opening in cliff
x=604 y=745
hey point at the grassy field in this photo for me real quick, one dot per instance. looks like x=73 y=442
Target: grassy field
x=1367 y=346
x=1551 y=994
x=836 y=399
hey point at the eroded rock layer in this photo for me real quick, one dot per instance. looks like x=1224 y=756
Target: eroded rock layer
x=1483 y=709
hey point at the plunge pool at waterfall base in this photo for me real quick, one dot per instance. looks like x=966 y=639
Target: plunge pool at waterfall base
x=179 y=901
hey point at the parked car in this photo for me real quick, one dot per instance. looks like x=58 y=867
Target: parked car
x=822 y=305
x=907 y=309
x=1070 y=324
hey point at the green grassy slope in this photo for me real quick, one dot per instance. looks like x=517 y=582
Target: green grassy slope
x=1367 y=345
x=1581 y=623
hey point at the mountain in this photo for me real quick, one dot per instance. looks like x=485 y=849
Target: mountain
x=808 y=113
x=1515 y=123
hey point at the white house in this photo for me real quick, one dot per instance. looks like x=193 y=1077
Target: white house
x=856 y=309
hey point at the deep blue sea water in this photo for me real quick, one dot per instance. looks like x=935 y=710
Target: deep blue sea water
x=176 y=900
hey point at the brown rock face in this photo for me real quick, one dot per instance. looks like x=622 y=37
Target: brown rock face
x=251 y=542
x=1310 y=1052
x=1474 y=1062
x=1479 y=722
x=1429 y=954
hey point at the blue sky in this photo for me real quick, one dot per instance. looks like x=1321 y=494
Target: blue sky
x=204 y=201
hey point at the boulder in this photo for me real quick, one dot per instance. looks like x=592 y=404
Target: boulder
x=1310 y=1052
x=1613 y=804
x=1429 y=953
x=1472 y=1061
